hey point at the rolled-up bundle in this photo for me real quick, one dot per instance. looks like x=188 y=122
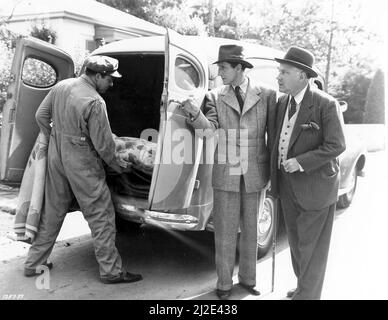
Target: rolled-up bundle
x=141 y=153
x=31 y=194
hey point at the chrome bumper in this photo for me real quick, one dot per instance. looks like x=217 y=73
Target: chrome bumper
x=182 y=222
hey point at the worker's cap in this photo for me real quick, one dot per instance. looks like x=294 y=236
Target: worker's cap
x=104 y=65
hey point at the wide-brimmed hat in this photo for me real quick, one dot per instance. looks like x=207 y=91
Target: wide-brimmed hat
x=300 y=58
x=232 y=53
x=104 y=65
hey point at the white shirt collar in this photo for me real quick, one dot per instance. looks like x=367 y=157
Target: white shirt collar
x=299 y=97
x=243 y=86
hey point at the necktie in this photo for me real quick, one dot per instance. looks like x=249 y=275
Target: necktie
x=292 y=109
x=239 y=97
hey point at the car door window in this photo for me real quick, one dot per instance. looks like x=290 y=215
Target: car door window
x=37 y=73
x=186 y=75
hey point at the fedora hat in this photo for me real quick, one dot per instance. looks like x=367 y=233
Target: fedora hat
x=300 y=58
x=232 y=53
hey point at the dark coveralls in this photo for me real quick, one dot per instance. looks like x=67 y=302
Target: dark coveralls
x=80 y=140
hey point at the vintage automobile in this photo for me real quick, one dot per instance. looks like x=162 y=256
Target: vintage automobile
x=157 y=72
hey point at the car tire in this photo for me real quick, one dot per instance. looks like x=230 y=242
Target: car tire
x=124 y=226
x=346 y=199
x=265 y=226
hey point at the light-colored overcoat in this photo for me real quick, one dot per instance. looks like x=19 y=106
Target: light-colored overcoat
x=237 y=154
x=244 y=140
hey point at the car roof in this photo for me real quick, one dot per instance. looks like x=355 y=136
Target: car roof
x=133 y=45
x=210 y=45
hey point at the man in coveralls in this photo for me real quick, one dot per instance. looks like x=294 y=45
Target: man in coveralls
x=80 y=141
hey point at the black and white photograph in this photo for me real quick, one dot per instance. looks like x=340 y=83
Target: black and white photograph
x=204 y=151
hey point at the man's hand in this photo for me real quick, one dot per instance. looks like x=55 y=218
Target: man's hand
x=123 y=163
x=291 y=165
x=268 y=185
x=190 y=108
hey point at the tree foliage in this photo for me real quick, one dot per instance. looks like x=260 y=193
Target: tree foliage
x=7 y=51
x=149 y=10
x=375 y=101
x=353 y=89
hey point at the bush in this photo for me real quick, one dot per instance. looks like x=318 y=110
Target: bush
x=6 y=54
x=44 y=33
x=352 y=87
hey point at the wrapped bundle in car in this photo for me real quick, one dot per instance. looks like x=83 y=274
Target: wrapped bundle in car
x=141 y=154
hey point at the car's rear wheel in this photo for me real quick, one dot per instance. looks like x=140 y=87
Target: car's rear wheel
x=265 y=226
x=346 y=199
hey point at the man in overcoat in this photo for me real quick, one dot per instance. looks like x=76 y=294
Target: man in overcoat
x=242 y=113
x=305 y=168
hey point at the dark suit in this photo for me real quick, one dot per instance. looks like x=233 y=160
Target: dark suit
x=308 y=198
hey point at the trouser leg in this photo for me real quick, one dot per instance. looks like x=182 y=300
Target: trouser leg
x=248 y=236
x=290 y=214
x=101 y=220
x=49 y=226
x=226 y=222
x=314 y=229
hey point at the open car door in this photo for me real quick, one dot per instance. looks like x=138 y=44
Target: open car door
x=37 y=66
x=179 y=149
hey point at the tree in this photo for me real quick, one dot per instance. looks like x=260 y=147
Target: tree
x=144 y=9
x=375 y=101
x=167 y=13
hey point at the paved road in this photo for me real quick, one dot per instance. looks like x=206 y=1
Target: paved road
x=181 y=265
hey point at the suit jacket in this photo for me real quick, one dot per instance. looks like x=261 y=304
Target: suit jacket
x=316 y=150
x=221 y=110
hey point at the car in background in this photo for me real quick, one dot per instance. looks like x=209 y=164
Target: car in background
x=157 y=71
x=352 y=163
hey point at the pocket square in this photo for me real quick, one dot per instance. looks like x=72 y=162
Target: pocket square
x=310 y=125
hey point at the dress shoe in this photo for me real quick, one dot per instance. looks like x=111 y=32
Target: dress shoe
x=32 y=272
x=223 y=294
x=291 y=293
x=250 y=288
x=125 y=277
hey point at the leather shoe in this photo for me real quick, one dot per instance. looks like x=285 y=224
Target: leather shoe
x=223 y=294
x=125 y=277
x=32 y=272
x=291 y=293
x=251 y=289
